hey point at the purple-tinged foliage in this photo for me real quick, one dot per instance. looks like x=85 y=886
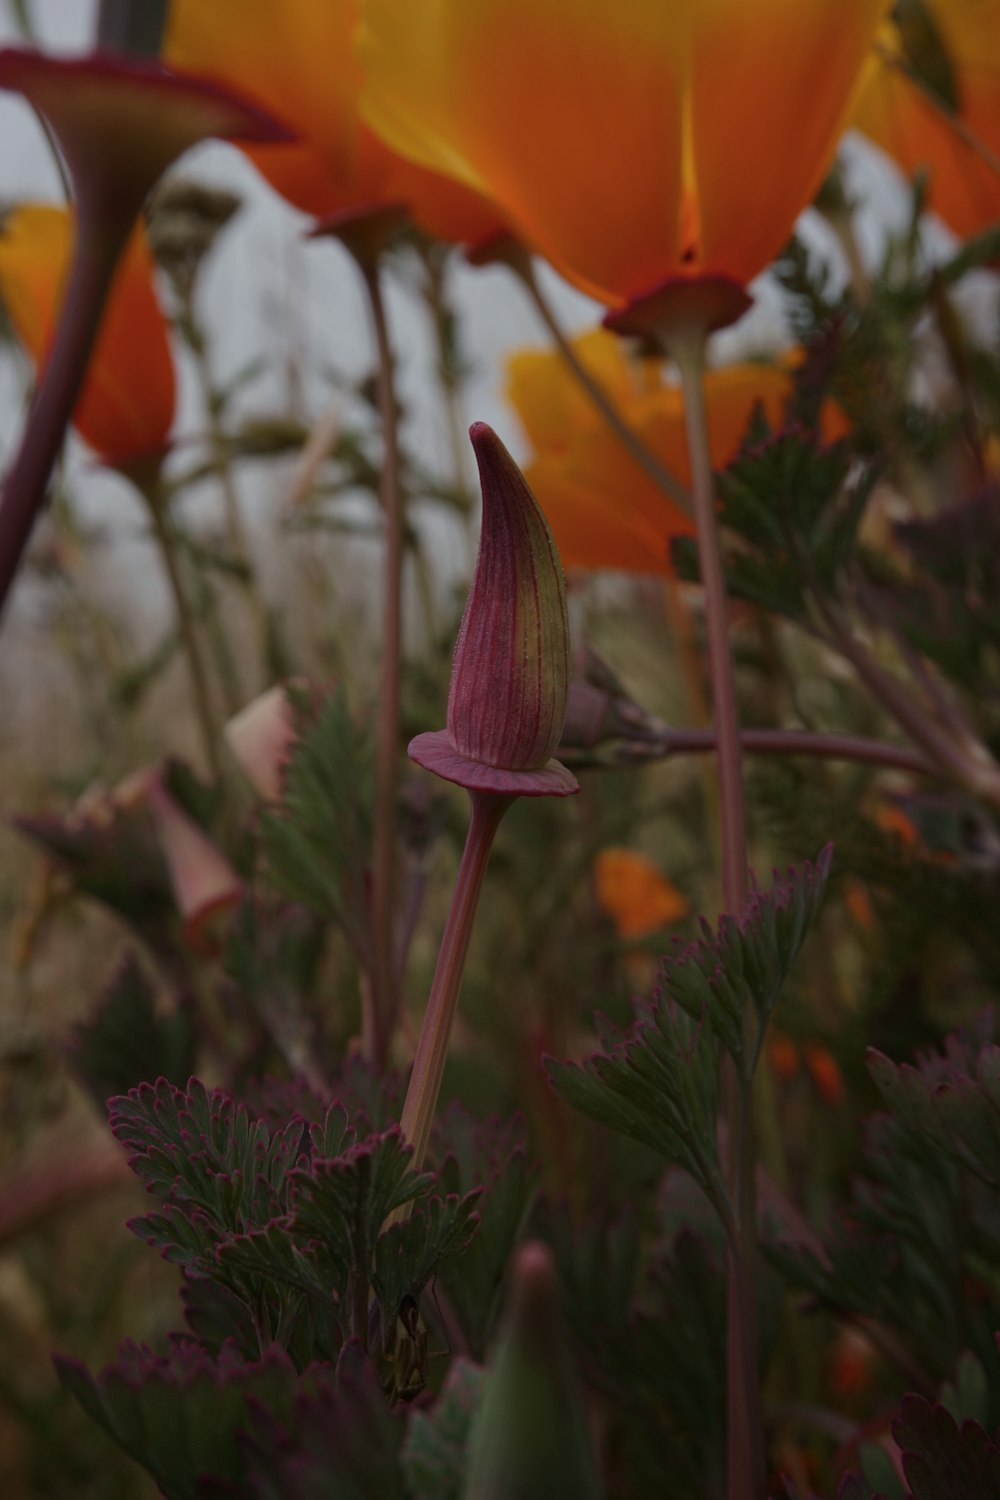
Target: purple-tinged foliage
x=941 y=1460
x=436 y=1440
x=341 y=1441
x=182 y=1415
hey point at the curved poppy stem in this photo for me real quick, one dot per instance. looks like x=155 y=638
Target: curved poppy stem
x=597 y=395
x=379 y=1026
x=435 y=1033
x=98 y=247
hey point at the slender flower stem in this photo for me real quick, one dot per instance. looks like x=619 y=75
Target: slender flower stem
x=432 y=1049
x=745 y=1453
x=385 y=991
x=689 y=354
x=602 y=402
x=98 y=246
x=973 y=769
x=185 y=624
x=851 y=747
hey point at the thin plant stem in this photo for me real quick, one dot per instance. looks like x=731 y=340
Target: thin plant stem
x=385 y=991
x=599 y=397
x=850 y=747
x=98 y=247
x=689 y=355
x=976 y=772
x=432 y=1049
x=186 y=627
x=744 y=1423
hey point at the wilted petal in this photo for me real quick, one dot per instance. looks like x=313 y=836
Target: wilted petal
x=261 y=737
x=203 y=881
x=126 y=402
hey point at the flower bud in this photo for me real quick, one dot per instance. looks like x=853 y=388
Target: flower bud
x=530 y=1437
x=510 y=674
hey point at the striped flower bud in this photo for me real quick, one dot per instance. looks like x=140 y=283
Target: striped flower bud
x=510 y=674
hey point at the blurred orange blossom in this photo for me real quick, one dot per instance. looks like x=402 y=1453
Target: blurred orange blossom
x=956 y=140
x=635 y=893
x=628 y=142
x=296 y=57
x=126 y=404
x=604 y=510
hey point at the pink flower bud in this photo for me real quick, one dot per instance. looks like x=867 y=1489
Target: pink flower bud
x=510 y=675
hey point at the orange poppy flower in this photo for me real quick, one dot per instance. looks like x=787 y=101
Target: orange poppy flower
x=296 y=57
x=961 y=153
x=604 y=510
x=126 y=404
x=626 y=142
x=635 y=893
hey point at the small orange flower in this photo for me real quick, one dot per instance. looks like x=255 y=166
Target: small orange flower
x=604 y=510
x=627 y=142
x=956 y=140
x=296 y=56
x=824 y=1072
x=635 y=893
x=126 y=405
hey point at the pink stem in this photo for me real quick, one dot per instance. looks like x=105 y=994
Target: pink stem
x=432 y=1048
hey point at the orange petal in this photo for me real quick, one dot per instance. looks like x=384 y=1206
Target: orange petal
x=895 y=113
x=126 y=405
x=296 y=57
x=547 y=396
x=619 y=139
x=635 y=893
x=770 y=86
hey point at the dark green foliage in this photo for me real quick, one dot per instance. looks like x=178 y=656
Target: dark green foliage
x=922 y=1226
x=659 y=1083
x=493 y=1155
x=796 y=508
x=128 y=1038
x=183 y=1416
x=434 y=1453
x=317 y=844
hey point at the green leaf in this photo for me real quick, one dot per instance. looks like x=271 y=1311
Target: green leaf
x=317 y=845
x=436 y=1440
x=409 y=1253
x=127 y=1040
x=941 y=1461
x=658 y=1086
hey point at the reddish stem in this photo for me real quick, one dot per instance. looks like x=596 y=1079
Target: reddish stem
x=101 y=237
x=432 y=1049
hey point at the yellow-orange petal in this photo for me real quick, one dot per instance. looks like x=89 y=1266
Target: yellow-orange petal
x=566 y=115
x=629 y=142
x=126 y=405
x=918 y=133
x=604 y=510
x=547 y=397
x=296 y=57
x=635 y=893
